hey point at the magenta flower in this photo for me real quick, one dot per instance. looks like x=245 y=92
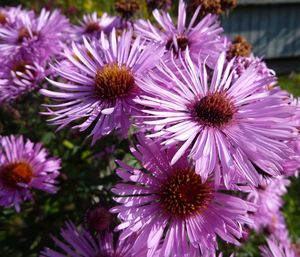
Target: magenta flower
x=100 y=84
x=241 y=50
x=242 y=63
x=172 y=208
x=203 y=39
x=220 y=120
x=81 y=243
x=9 y=15
x=269 y=195
x=19 y=74
x=24 y=166
x=291 y=166
x=275 y=249
x=277 y=227
x=92 y=25
x=40 y=36
x=268 y=199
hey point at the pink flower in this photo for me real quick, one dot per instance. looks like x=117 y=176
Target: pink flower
x=268 y=199
x=82 y=243
x=172 y=208
x=40 y=36
x=203 y=39
x=24 y=166
x=92 y=25
x=219 y=120
x=100 y=84
x=275 y=249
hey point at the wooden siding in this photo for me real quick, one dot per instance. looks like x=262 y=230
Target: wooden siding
x=274 y=30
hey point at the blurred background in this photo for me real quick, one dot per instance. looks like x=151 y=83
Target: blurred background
x=271 y=26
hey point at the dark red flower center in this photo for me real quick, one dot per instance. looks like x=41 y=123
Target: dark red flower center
x=3 y=18
x=184 y=194
x=22 y=67
x=92 y=27
x=19 y=172
x=114 y=81
x=182 y=43
x=25 y=34
x=214 y=110
x=98 y=218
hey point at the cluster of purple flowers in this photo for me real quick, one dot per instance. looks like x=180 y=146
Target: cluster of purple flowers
x=27 y=43
x=217 y=139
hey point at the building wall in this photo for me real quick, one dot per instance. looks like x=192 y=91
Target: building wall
x=274 y=29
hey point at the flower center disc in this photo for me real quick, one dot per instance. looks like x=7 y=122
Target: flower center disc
x=240 y=47
x=182 y=43
x=20 y=67
x=92 y=27
x=25 y=34
x=184 y=194
x=98 y=219
x=14 y=173
x=214 y=110
x=127 y=8
x=113 y=82
x=2 y=18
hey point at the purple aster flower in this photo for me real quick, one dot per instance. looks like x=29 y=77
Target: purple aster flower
x=242 y=63
x=9 y=15
x=81 y=243
x=269 y=195
x=19 y=74
x=241 y=50
x=275 y=249
x=100 y=89
x=268 y=199
x=172 y=208
x=220 y=120
x=24 y=166
x=40 y=36
x=92 y=25
x=278 y=228
x=203 y=39
x=292 y=164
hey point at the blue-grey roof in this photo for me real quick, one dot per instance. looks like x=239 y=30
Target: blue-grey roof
x=274 y=30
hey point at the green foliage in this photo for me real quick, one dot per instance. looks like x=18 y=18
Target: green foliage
x=292 y=210
x=290 y=83
x=82 y=173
